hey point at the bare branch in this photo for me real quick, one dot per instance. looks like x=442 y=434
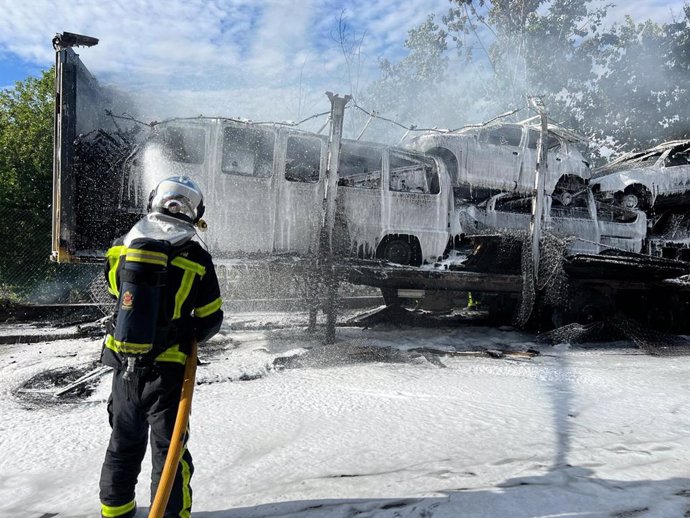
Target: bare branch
x=479 y=40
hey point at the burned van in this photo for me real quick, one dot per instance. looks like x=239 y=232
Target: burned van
x=264 y=191
x=264 y=188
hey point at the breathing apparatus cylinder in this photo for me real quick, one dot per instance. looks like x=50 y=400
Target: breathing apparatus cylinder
x=143 y=279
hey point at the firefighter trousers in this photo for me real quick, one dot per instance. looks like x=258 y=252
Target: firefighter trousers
x=149 y=399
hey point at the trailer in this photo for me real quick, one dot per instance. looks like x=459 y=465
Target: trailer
x=395 y=216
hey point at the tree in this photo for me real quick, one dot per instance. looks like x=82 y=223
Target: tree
x=534 y=47
x=624 y=87
x=411 y=88
x=640 y=97
x=26 y=130
x=507 y=50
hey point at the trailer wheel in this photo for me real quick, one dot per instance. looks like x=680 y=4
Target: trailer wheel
x=634 y=197
x=397 y=251
x=661 y=313
x=400 y=249
x=584 y=306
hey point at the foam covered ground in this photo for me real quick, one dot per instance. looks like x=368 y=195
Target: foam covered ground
x=371 y=426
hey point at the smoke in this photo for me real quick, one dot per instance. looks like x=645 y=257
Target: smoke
x=622 y=85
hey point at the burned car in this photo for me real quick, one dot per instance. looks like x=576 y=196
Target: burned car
x=588 y=227
x=656 y=177
x=484 y=161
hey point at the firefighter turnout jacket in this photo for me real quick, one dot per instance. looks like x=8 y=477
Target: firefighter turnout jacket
x=192 y=303
x=143 y=403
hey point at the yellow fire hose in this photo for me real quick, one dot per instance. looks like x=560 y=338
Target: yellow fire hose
x=175 y=451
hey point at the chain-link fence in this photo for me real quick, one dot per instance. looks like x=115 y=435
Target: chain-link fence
x=27 y=275
x=257 y=285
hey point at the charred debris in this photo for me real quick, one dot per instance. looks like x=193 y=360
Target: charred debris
x=506 y=215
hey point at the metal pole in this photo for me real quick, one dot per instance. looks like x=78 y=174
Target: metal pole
x=329 y=203
x=406 y=134
x=538 y=201
x=372 y=115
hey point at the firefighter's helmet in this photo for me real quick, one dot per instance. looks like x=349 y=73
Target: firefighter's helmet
x=178 y=196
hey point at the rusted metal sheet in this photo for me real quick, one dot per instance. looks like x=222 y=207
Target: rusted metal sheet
x=85 y=205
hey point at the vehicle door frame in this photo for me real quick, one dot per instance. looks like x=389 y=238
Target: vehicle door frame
x=432 y=239
x=286 y=190
x=268 y=187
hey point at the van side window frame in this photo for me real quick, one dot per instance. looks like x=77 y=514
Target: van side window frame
x=429 y=185
x=257 y=152
x=301 y=172
x=552 y=140
x=369 y=168
x=510 y=136
x=183 y=144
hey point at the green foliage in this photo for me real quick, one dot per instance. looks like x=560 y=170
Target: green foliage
x=640 y=96
x=26 y=129
x=623 y=86
x=411 y=86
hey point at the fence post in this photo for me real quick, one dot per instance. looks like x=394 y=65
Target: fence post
x=326 y=248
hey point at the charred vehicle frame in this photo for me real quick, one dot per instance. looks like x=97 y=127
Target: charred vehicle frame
x=266 y=186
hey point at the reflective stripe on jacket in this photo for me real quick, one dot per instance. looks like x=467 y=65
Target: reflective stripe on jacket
x=192 y=302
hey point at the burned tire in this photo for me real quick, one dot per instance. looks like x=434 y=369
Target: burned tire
x=634 y=197
x=584 y=306
x=663 y=313
x=569 y=190
x=661 y=318
x=400 y=249
x=397 y=251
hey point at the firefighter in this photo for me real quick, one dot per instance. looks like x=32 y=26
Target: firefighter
x=146 y=390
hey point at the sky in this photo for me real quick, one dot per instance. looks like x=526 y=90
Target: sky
x=246 y=58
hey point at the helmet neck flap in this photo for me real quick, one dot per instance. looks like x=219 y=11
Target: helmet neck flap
x=163 y=228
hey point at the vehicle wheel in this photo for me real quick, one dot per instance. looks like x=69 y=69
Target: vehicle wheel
x=661 y=314
x=568 y=190
x=634 y=197
x=563 y=197
x=584 y=306
x=397 y=251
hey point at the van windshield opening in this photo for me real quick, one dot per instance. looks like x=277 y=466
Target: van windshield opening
x=413 y=174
